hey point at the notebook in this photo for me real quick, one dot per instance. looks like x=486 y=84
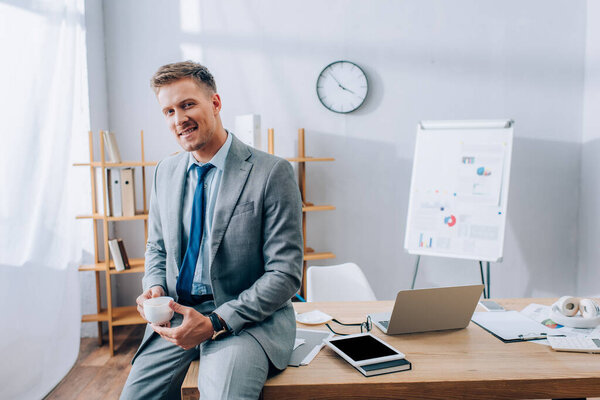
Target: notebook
x=435 y=309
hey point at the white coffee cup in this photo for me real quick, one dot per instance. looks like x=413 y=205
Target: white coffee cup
x=157 y=309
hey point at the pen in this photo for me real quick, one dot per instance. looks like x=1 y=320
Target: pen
x=537 y=336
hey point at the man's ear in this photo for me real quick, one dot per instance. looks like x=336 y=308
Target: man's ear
x=216 y=102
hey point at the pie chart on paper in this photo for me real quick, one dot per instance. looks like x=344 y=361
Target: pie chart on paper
x=450 y=221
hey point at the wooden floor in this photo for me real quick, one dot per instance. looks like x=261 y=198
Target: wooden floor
x=97 y=375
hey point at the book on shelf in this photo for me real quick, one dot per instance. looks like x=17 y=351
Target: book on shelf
x=112 y=150
x=115 y=253
x=114 y=192
x=118 y=254
x=123 y=253
x=128 y=192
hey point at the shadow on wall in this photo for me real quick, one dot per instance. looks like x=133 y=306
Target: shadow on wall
x=589 y=218
x=542 y=218
x=369 y=185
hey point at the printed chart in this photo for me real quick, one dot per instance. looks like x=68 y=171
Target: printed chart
x=459 y=189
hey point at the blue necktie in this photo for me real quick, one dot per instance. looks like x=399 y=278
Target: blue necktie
x=188 y=265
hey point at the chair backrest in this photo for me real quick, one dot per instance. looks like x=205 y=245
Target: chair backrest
x=344 y=282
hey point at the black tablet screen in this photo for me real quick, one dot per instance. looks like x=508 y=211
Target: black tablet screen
x=362 y=347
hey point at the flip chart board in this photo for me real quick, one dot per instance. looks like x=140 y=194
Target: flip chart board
x=459 y=189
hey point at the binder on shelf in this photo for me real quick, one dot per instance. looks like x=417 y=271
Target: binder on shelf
x=247 y=129
x=123 y=252
x=112 y=150
x=115 y=253
x=100 y=197
x=128 y=192
x=114 y=194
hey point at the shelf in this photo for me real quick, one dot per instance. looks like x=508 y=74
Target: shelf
x=317 y=208
x=139 y=215
x=114 y=316
x=302 y=158
x=126 y=316
x=121 y=316
x=309 y=159
x=318 y=256
x=121 y=164
x=101 y=316
x=132 y=270
x=137 y=265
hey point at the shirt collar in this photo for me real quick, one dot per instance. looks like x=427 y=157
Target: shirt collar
x=218 y=159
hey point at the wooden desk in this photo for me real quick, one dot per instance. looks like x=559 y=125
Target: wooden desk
x=466 y=363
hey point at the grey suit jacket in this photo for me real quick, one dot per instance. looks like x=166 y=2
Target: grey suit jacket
x=256 y=246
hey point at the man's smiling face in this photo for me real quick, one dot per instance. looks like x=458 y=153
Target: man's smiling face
x=192 y=113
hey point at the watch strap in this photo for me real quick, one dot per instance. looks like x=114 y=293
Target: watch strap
x=216 y=322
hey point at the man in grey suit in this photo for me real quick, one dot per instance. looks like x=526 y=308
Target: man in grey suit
x=225 y=241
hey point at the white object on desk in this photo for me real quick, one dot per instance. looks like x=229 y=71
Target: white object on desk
x=491 y=305
x=576 y=344
x=314 y=317
x=576 y=321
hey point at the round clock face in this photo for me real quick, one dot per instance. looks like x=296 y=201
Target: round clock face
x=342 y=87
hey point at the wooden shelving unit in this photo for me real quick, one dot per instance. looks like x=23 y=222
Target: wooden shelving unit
x=302 y=159
x=114 y=316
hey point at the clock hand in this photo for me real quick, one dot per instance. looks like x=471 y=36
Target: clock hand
x=340 y=85
x=338 y=82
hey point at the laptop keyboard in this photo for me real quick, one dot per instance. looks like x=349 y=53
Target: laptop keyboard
x=384 y=323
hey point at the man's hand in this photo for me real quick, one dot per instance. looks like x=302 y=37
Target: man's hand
x=194 y=329
x=154 y=291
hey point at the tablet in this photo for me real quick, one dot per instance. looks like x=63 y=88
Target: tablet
x=363 y=349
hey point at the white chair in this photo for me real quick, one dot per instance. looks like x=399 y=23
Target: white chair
x=344 y=282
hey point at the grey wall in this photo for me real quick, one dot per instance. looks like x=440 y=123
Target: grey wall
x=589 y=230
x=425 y=60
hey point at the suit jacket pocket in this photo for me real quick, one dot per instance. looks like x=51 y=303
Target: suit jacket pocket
x=243 y=208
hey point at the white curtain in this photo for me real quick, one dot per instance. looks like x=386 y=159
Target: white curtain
x=44 y=118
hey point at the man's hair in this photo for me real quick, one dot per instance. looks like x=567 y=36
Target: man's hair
x=170 y=73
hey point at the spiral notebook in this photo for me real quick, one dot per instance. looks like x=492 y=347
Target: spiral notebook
x=511 y=326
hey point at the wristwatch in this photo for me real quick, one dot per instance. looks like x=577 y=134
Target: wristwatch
x=220 y=330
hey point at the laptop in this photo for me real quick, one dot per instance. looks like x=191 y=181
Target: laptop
x=423 y=310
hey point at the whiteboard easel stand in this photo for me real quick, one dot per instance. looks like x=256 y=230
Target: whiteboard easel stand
x=447 y=137
x=486 y=293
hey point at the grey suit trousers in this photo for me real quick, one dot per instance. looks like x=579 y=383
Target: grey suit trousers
x=235 y=367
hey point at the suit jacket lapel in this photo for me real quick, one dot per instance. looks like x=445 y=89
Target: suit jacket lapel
x=235 y=175
x=175 y=208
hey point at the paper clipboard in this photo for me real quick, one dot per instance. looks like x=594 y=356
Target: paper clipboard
x=511 y=326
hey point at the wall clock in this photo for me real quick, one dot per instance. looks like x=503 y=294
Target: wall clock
x=342 y=87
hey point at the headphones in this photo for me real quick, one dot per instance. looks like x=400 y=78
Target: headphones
x=576 y=313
